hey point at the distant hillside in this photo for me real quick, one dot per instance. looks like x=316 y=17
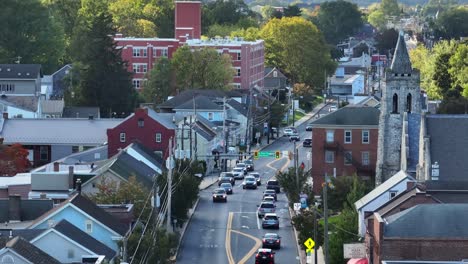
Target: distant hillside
x=361 y=3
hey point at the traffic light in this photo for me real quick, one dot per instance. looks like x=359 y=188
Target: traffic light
x=277 y=154
x=255 y=154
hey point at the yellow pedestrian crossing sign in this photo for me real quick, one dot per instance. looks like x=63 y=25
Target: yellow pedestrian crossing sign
x=309 y=245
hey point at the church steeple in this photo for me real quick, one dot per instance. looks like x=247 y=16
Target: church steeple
x=401 y=63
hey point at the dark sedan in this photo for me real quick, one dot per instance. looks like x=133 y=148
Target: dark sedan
x=249 y=183
x=250 y=165
x=227 y=186
x=307 y=142
x=271 y=240
x=219 y=194
x=226 y=179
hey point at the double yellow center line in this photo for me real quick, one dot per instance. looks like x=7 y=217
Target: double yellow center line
x=249 y=254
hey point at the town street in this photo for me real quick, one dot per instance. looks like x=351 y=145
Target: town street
x=231 y=232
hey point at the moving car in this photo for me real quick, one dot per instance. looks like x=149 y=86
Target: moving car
x=270 y=221
x=257 y=177
x=271 y=193
x=249 y=183
x=250 y=165
x=309 y=127
x=332 y=108
x=227 y=174
x=238 y=173
x=294 y=137
x=287 y=132
x=271 y=240
x=307 y=142
x=225 y=180
x=265 y=208
x=268 y=199
x=265 y=256
x=273 y=185
x=219 y=194
x=227 y=187
x=243 y=166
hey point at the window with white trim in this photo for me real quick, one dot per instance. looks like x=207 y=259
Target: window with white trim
x=347 y=137
x=88 y=226
x=7 y=259
x=140 y=52
x=136 y=68
x=329 y=156
x=144 y=68
x=365 y=136
x=239 y=56
x=122 y=137
x=158 y=153
x=392 y=194
x=348 y=158
x=365 y=160
x=141 y=122
x=238 y=72
x=136 y=83
x=330 y=136
x=275 y=74
x=158 y=137
x=164 y=52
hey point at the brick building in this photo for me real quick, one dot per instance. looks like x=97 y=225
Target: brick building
x=151 y=129
x=142 y=53
x=425 y=232
x=345 y=140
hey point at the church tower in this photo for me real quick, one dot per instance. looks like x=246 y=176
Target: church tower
x=400 y=94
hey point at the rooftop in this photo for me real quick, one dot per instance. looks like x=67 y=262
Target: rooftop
x=20 y=71
x=350 y=116
x=227 y=41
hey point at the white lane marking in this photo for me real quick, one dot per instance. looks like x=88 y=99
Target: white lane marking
x=246 y=227
x=245 y=216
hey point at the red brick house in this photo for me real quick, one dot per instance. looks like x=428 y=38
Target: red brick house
x=345 y=140
x=151 y=129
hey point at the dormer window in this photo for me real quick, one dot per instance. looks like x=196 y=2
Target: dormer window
x=141 y=122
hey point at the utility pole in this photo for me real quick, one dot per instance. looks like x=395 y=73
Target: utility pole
x=269 y=120
x=296 y=160
x=190 y=138
x=225 y=134
x=325 y=214
x=315 y=233
x=293 y=115
x=169 y=188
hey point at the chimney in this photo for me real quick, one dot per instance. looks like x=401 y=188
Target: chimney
x=78 y=186
x=5 y=115
x=14 y=211
x=42 y=196
x=56 y=166
x=70 y=177
x=410 y=185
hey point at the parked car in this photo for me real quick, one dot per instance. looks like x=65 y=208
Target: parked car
x=270 y=221
x=271 y=193
x=257 y=177
x=250 y=165
x=265 y=208
x=271 y=240
x=249 y=183
x=265 y=256
x=273 y=185
x=225 y=180
x=227 y=187
x=309 y=127
x=294 y=137
x=238 y=173
x=243 y=166
x=307 y=142
x=219 y=194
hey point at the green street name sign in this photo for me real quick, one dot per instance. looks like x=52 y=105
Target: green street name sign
x=266 y=154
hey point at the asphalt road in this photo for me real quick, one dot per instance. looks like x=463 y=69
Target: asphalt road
x=231 y=232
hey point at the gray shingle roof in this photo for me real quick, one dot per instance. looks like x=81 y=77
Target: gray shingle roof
x=449 y=145
x=149 y=155
x=127 y=166
x=350 y=116
x=27 y=234
x=27 y=250
x=429 y=221
x=164 y=119
x=201 y=103
x=20 y=71
x=241 y=108
x=401 y=61
x=82 y=238
x=188 y=95
x=29 y=209
x=52 y=106
x=57 y=131
x=29 y=103
x=80 y=112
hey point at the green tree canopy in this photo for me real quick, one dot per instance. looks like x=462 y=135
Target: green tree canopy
x=249 y=34
x=202 y=68
x=459 y=68
x=103 y=77
x=338 y=20
x=159 y=82
x=224 y=13
x=292 y=11
x=30 y=35
x=422 y=60
x=386 y=41
x=296 y=46
x=390 y=8
x=378 y=20
x=452 y=24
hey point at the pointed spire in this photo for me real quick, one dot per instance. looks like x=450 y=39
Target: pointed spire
x=401 y=62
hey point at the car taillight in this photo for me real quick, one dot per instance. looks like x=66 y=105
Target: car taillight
x=264 y=240
x=258 y=255
x=277 y=241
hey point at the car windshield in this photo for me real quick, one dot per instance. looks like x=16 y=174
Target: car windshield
x=240 y=165
x=226 y=185
x=267 y=205
x=237 y=169
x=250 y=179
x=256 y=175
x=308 y=139
x=225 y=179
x=271 y=217
x=226 y=174
x=271 y=236
x=219 y=191
x=273 y=183
x=269 y=199
x=270 y=192
x=248 y=162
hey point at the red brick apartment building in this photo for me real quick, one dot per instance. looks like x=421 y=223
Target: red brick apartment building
x=345 y=140
x=142 y=53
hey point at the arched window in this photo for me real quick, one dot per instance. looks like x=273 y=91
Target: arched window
x=395 y=104
x=408 y=103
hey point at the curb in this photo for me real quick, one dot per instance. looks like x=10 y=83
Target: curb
x=299 y=252
x=182 y=232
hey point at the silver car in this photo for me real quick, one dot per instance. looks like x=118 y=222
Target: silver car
x=265 y=208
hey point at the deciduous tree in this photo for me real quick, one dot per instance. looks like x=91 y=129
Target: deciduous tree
x=378 y=20
x=296 y=46
x=30 y=35
x=452 y=24
x=338 y=20
x=160 y=82
x=13 y=160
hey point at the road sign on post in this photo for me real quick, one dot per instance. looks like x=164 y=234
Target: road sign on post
x=297 y=206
